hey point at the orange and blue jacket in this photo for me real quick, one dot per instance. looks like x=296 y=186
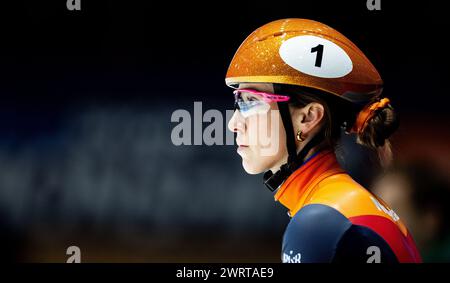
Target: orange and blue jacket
x=334 y=219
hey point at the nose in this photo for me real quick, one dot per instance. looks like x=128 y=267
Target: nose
x=236 y=123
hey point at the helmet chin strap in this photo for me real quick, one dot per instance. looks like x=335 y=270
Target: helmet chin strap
x=274 y=180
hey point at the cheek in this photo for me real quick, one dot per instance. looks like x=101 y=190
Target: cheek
x=260 y=132
x=267 y=142
x=281 y=136
x=266 y=132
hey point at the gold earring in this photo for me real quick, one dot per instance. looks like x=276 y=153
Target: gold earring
x=299 y=136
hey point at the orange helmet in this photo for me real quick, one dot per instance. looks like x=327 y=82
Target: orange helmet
x=305 y=53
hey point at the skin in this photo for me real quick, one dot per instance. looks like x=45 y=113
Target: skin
x=308 y=119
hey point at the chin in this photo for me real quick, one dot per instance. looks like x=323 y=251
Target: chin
x=252 y=170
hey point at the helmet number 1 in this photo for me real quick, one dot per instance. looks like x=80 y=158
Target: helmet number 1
x=319 y=50
x=305 y=53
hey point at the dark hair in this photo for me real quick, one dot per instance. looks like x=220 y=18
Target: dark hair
x=341 y=113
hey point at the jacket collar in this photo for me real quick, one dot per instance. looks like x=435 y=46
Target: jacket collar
x=294 y=191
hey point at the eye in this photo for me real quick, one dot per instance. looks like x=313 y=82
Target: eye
x=252 y=97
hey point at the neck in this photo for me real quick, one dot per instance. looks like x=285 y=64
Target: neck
x=312 y=151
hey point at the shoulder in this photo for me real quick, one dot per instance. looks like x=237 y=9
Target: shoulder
x=376 y=222
x=351 y=199
x=313 y=233
x=319 y=233
x=360 y=244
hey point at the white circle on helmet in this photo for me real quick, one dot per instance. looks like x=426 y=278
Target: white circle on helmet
x=316 y=56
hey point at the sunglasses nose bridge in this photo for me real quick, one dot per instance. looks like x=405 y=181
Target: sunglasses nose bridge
x=236 y=106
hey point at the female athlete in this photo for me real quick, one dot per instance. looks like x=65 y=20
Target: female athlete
x=299 y=84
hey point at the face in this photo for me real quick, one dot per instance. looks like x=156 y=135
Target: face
x=260 y=134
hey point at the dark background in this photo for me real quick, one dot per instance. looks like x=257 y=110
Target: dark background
x=86 y=99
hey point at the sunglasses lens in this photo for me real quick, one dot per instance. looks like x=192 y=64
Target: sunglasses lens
x=250 y=104
x=249 y=108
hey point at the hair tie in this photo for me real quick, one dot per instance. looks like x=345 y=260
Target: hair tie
x=367 y=113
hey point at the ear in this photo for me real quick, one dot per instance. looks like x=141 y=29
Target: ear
x=308 y=118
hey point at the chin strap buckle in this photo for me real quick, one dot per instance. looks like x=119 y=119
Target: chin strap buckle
x=274 y=180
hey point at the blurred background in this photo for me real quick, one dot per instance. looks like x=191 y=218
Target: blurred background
x=86 y=99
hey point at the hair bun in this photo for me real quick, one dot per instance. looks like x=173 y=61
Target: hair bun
x=379 y=124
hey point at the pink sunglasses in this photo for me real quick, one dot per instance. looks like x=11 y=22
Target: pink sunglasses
x=267 y=97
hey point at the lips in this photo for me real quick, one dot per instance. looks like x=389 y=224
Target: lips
x=240 y=144
x=241 y=147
